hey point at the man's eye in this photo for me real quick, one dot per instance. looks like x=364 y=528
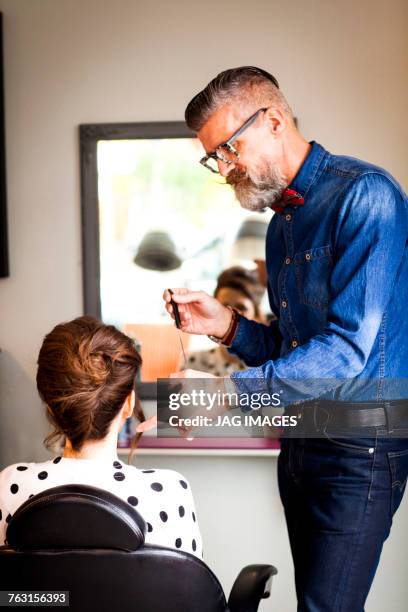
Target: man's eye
x=230 y=152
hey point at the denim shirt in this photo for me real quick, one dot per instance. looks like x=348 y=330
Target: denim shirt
x=338 y=283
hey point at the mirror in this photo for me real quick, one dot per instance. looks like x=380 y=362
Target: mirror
x=153 y=217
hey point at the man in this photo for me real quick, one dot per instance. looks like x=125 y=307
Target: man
x=337 y=266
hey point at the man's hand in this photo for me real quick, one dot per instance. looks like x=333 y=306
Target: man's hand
x=199 y=312
x=191 y=374
x=188 y=387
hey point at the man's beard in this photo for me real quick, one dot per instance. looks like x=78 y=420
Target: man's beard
x=257 y=192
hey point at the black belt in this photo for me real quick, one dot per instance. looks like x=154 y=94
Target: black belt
x=319 y=414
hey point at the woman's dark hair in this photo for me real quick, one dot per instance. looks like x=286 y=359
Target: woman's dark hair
x=245 y=281
x=85 y=372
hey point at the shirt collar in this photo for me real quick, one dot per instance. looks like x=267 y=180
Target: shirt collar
x=309 y=169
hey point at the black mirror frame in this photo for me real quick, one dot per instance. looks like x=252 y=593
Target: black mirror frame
x=4 y=254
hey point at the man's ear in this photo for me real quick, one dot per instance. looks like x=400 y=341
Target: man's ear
x=277 y=121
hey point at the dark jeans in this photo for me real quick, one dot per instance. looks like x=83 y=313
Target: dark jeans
x=339 y=496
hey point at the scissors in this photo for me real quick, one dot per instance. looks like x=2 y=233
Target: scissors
x=178 y=323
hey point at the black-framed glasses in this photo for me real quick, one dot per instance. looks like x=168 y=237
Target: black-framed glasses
x=225 y=152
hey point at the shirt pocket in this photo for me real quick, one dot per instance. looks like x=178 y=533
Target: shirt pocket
x=313 y=268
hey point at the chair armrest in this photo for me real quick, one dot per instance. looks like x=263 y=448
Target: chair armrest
x=252 y=584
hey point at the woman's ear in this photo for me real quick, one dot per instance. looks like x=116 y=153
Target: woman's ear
x=129 y=405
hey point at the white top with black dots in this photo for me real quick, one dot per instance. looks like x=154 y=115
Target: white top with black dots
x=163 y=497
x=214 y=362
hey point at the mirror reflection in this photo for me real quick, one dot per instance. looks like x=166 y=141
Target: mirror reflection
x=166 y=222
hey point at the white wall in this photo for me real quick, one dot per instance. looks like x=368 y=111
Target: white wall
x=343 y=67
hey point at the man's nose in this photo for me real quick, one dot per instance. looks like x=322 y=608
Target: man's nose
x=223 y=168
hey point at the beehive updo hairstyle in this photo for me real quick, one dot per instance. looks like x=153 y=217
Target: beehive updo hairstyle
x=85 y=372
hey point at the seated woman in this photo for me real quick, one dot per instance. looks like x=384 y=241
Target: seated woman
x=86 y=376
x=241 y=289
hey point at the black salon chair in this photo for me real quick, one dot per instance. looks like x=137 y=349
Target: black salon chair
x=91 y=543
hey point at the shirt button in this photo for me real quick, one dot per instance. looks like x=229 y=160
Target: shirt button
x=288 y=217
x=287 y=261
x=284 y=304
x=308 y=256
x=294 y=343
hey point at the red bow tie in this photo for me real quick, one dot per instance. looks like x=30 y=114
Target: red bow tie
x=290 y=197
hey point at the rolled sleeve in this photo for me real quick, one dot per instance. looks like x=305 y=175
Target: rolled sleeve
x=255 y=343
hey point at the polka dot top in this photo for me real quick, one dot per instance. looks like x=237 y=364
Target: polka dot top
x=214 y=362
x=162 y=497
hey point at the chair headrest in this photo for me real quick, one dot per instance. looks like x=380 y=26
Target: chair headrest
x=76 y=516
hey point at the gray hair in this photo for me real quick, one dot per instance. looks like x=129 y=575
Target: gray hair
x=244 y=86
